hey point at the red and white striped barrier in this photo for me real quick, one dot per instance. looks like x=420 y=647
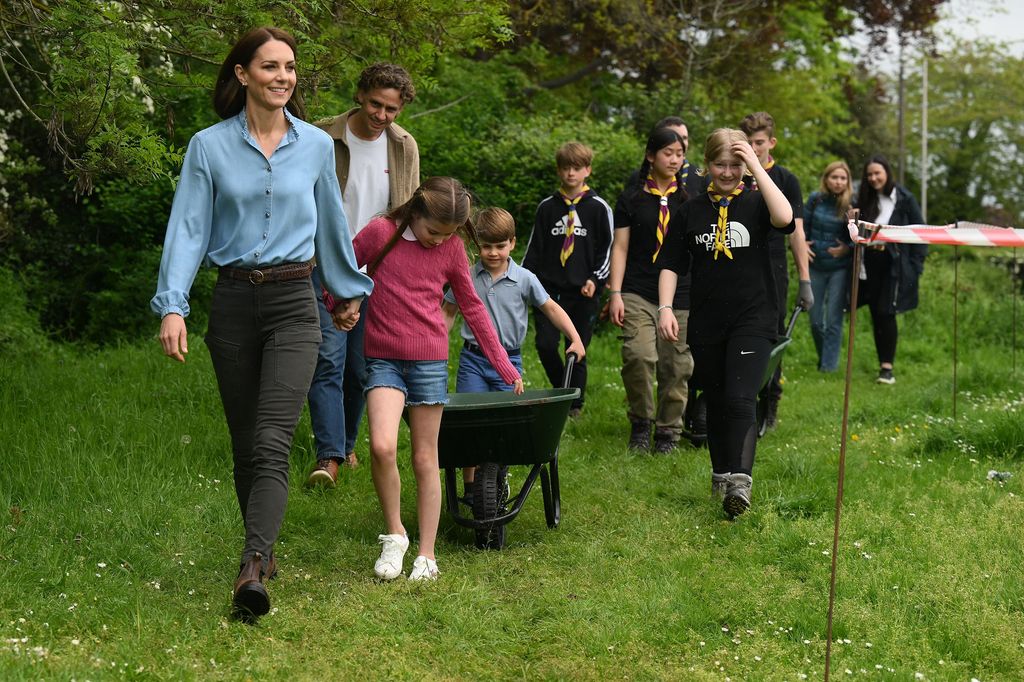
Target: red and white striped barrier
x=961 y=234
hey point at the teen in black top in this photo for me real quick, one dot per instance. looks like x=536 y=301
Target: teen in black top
x=733 y=313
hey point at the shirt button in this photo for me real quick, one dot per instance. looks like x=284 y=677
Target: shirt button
x=264 y=235
x=268 y=190
x=257 y=254
x=268 y=169
x=267 y=214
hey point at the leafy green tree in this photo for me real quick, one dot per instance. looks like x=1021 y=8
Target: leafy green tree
x=975 y=132
x=97 y=100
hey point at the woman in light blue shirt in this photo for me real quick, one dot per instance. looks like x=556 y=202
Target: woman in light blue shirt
x=257 y=197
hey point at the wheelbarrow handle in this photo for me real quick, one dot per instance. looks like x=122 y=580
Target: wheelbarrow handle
x=792 y=321
x=570 y=361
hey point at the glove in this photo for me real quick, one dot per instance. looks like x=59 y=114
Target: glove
x=805 y=298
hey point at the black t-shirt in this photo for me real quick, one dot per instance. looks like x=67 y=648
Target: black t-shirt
x=728 y=296
x=790 y=187
x=638 y=210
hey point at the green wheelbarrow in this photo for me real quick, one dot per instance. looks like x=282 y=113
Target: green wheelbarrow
x=493 y=431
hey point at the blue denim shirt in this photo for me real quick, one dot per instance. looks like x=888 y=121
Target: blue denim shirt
x=235 y=207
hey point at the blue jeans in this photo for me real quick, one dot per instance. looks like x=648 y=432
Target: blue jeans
x=829 y=290
x=477 y=375
x=424 y=382
x=336 y=399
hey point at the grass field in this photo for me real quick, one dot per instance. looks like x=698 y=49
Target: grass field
x=120 y=534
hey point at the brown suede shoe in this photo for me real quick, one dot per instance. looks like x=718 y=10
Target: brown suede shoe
x=325 y=474
x=250 y=598
x=350 y=460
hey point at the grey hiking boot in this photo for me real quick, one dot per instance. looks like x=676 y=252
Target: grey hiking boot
x=665 y=441
x=719 y=484
x=640 y=434
x=737 y=495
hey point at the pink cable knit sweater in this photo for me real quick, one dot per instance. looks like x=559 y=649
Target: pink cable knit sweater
x=403 y=314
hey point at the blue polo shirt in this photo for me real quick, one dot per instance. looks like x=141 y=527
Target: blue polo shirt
x=508 y=300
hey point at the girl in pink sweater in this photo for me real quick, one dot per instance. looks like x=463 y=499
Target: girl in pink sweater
x=410 y=255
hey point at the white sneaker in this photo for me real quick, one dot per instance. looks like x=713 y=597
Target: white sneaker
x=389 y=565
x=424 y=569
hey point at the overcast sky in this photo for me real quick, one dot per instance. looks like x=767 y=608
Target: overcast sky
x=997 y=19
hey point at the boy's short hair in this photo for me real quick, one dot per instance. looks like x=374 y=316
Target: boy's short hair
x=574 y=155
x=383 y=75
x=669 y=122
x=495 y=225
x=758 y=121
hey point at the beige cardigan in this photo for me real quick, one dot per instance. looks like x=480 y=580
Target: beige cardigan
x=403 y=157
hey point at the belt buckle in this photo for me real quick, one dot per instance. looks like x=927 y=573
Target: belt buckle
x=256 y=277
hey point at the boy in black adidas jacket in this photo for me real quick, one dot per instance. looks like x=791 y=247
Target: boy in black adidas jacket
x=570 y=252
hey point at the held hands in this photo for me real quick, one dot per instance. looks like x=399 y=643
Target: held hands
x=805 y=297
x=588 y=289
x=668 y=325
x=346 y=314
x=174 y=336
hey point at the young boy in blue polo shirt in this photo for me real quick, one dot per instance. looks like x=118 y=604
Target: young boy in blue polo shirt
x=508 y=291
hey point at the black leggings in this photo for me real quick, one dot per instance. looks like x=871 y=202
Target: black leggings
x=730 y=374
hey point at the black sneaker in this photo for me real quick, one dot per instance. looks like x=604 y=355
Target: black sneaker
x=885 y=376
x=640 y=435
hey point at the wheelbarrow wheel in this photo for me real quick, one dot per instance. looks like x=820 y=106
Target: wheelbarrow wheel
x=490 y=495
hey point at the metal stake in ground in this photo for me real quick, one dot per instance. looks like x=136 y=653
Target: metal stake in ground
x=858 y=255
x=956 y=317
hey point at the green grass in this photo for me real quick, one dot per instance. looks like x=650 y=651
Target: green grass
x=120 y=533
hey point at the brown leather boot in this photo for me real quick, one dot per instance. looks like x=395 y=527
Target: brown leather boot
x=251 y=599
x=271 y=572
x=351 y=461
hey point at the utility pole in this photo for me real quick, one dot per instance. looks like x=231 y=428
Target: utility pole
x=900 y=175
x=924 y=138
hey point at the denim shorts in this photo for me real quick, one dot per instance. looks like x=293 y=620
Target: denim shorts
x=424 y=382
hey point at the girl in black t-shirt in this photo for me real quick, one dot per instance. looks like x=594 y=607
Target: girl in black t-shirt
x=642 y=217
x=721 y=239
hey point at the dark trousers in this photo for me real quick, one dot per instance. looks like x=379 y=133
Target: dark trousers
x=781 y=272
x=263 y=340
x=583 y=313
x=730 y=374
x=886 y=336
x=874 y=291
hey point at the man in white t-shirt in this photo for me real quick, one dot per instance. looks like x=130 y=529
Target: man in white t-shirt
x=378 y=167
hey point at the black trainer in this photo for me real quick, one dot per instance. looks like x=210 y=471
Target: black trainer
x=885 y=376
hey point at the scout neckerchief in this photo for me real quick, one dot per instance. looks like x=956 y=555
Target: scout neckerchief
x=651 y=187
x=768 y=166
x=570 y=236
x=723 y=217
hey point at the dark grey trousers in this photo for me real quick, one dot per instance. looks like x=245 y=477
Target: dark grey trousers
x=263 y=340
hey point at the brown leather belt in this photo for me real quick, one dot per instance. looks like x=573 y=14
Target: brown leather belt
x=276 y=273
